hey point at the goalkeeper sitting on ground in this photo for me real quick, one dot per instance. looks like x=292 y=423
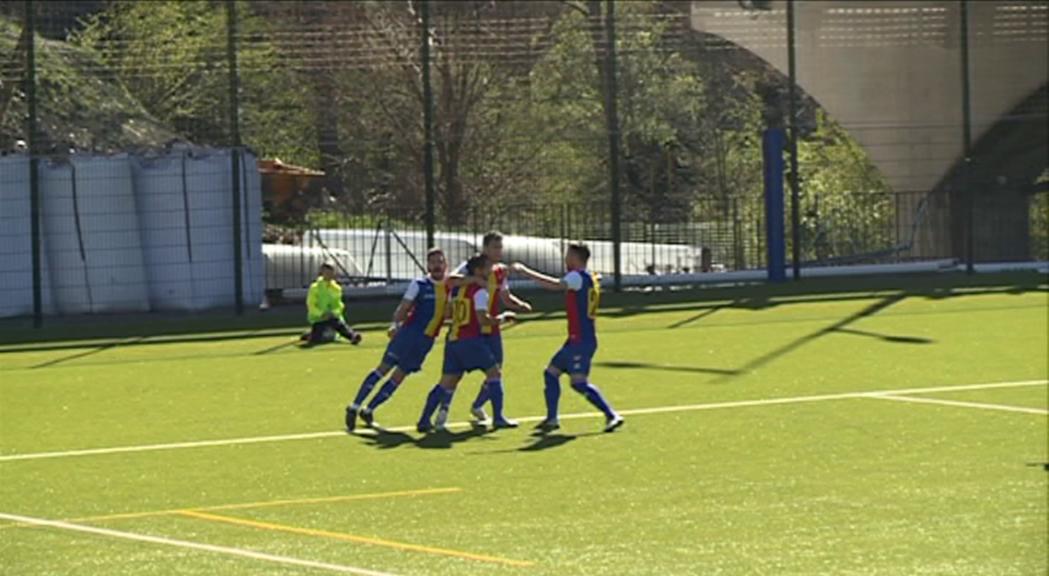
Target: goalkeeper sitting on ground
x=325 y=309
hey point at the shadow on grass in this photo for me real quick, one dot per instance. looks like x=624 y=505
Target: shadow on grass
x=841 y=326
x=887 y=337
x=669 y=368
x=85 y=353
x=387 y=439
x=548 y=440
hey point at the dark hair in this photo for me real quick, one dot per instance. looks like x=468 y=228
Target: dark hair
x=328 y=266
x=580 y=250
x=475 y=262
x=492 y=236
x=433 y=252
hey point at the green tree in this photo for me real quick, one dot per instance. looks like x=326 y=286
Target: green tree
x=171 y=56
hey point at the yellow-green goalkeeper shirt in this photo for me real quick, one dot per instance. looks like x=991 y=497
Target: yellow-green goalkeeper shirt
x=324 y=296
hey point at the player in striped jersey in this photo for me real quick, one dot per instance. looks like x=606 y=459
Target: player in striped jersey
x=416 y=324
x=466 y=350
x=499 y=296
x=582 y=298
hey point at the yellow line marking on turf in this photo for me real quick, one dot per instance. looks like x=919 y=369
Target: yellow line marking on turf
x=287 y=560
x=525 y=420
x=353 y=538
x=262 y=504
x=962 y=404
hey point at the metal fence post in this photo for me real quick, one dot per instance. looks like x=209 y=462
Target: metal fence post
x=389 y=250
x=424 y=57
x=795 y=209
x=29 y=77
x=613 y=143
x=772 y=150
x=967 y=188
x=234 y=127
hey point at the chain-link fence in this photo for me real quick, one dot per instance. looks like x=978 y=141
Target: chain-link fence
x=365 y=131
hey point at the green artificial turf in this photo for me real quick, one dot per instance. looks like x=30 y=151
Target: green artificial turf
x=847 y=485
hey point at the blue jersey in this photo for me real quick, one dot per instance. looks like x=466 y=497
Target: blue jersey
x=429 y=298
x=581 y=302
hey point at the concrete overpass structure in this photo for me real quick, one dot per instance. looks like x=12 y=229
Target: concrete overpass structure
x=890 y=71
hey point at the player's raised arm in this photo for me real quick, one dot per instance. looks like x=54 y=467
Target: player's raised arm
x=458 y=278
x=510 y=300
x=548 y=282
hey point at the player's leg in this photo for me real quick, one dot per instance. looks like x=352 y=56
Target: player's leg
x=494 y=383
x=346 y=332
x=411 y=351
x=443 y=390
x=580 y=374
x=454 y=368
x=552 y=395
x=385 y=392
x=316 y=333
x=495 y=344
x=552 y=388
x=390 y=358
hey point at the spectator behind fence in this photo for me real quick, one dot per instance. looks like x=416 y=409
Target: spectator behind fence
x=325 y=310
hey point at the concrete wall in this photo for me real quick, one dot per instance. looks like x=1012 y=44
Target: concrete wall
x=890 y=71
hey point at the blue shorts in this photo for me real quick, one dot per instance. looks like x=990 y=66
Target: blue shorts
x=407 y=350
x=575 y=357
x=495 y=345
x=464 y=356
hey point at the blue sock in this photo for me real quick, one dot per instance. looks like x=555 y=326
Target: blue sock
x=552 y=392
x=446 y=402
x=383 y=395
x=495 y=392
x=433 y=399
x=593 y=395
x=366 y=387
x=482 y=396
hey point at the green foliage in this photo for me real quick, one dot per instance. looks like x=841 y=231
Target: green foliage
x=509 y=132
x=1039 y=215
x=172 y=57
x=847 y=205
x=81 y=102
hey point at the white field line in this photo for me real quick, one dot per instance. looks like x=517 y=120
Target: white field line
x=287 y=560
x=635 y=412
x=958 y=403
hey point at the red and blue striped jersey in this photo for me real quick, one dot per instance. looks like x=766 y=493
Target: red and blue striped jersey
x=498 y=280
x=581 y=302
x=466 y=302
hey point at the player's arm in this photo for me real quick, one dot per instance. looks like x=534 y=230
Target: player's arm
x=509 y=299
x=457 y=278
x=486 y=319
x=548 y=282
x=400 y=315
x=513 y=302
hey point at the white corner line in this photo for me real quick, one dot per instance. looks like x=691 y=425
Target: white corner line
x=527 y=419
x=287 y=560
x=961 y=404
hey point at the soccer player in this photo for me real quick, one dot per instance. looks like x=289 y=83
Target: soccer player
x=466 y=350
x=582 y=298
x=325 y=309
x=416 y=324
x=498 y=295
